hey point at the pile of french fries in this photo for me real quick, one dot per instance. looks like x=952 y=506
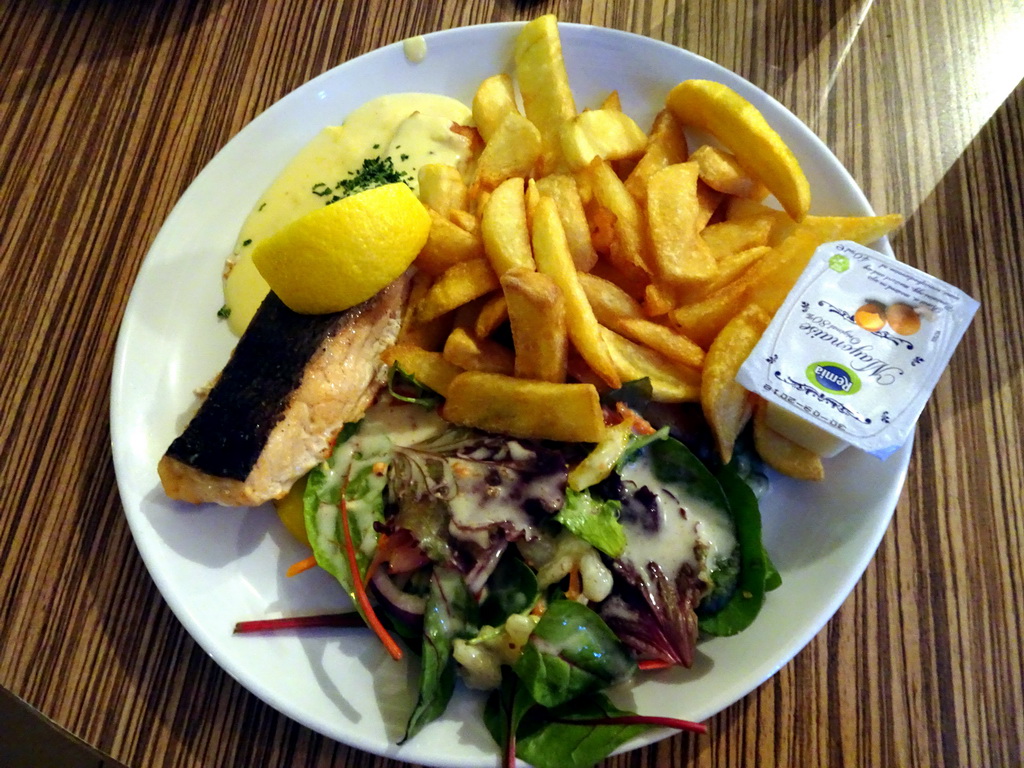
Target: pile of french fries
x=612 y=254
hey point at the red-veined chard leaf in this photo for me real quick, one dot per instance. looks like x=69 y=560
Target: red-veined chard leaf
x=450 y=614
x=354 y=466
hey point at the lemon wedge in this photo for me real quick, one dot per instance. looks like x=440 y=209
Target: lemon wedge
x=342 y=254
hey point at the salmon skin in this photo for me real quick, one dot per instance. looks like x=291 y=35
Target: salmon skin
x=292 y=382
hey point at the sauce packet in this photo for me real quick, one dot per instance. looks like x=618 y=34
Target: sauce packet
x=858 y=346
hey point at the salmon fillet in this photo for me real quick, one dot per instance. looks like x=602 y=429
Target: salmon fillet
x=290 y=385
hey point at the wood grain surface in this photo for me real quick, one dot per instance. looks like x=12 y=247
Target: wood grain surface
x=109 y=109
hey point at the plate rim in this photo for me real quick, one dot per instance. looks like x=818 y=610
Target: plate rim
x=119 y=383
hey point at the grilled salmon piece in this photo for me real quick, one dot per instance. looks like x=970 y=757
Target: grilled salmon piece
x=290 y=385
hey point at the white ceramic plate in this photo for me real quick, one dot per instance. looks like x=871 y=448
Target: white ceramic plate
x=215 y=566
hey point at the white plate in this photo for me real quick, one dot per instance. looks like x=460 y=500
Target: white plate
x=215 y=566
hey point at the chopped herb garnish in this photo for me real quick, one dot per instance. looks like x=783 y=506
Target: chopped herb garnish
x=246 y=242
x=262 y=206
x=403 y=157
x=224 y=312
x=374 y=172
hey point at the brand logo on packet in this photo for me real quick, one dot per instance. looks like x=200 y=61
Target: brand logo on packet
x=833 y=378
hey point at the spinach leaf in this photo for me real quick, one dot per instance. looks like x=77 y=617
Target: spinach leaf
x=549 y=739
x=746 y=601
x=512 y=588
x=571 y=652
x=449 y=615
x=594 y=520
x=772 y=577
x=636 y=394
x=673 y=462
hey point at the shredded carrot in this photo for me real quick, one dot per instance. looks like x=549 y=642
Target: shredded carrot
x=302 y=566
x=357 y=583
x=652 y=664
x=574 y=584
x=380 y=556
x=640 y=425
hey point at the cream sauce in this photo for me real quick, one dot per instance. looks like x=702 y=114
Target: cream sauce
x=415 y=49
x=686 y=524
x=412 y=128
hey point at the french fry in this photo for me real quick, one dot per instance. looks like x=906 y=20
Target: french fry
x=607 y=133
x=826 y=229
x=553 y=259
x=600 y=462
x=442 y=188
x=459 y=285
x=513 y=150
x=667 y=342
x=536 y=313
x=765 y=283
x=612 y=101
x=607 y=299
x=447 y=245
x=720 y=111
x=465 y=316
x=659 y=299
x=602 y=232
x=472 y=354
x=544 y=85
x=702 y=320
x=616 y=309
x=670 y=381
x=709 y=200
x=503 y=227
x=782 y=454
x=733 y=235
x=773 y=276
x=532 y=197
x=741 y=208
x=666 y=146
x=525 y=408
x=492 y=314
x=721 y=171
x=429 y=368
x=680 y=255
x=733 y=265
x=606 y=271
x=726 y=404
x=628 y=248
x=495 y=98
x=429 y=335
x=563 y=190
x=464 y=219
x=860 y=229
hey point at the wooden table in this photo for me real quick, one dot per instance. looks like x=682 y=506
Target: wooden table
x=109 y=110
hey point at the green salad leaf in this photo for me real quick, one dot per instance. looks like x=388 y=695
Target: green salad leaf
x=512 y=588
x=571 y=652
x=594 y=520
